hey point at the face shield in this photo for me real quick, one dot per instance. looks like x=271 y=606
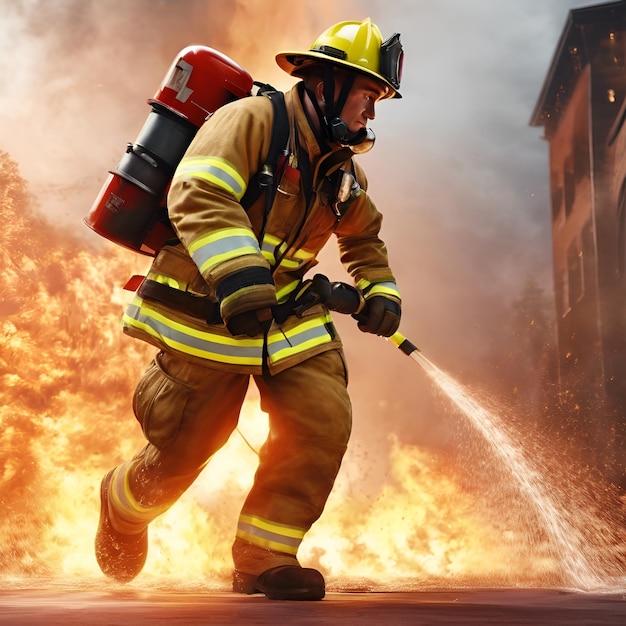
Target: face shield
x=391 y=59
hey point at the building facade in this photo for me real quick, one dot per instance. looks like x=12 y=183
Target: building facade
x=582 y=109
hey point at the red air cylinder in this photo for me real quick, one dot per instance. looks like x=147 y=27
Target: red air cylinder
x=131 y=206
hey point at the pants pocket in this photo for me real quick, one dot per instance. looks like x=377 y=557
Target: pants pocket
x=159 y=403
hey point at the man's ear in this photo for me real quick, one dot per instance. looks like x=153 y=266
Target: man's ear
x=319 y=94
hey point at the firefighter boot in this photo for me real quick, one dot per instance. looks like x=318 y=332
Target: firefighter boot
x=276 y=574
x=285 y=582
x=120 y=556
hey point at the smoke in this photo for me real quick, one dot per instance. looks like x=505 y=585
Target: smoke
x=76 y=76
x=460 y=175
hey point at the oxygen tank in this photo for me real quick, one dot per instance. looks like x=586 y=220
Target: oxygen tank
x=130 y=209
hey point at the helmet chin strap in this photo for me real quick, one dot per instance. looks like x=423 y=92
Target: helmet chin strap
x=333 y=127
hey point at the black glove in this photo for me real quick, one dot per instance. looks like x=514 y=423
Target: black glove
x=380 y=317
x=337 y=296
x=251 y=323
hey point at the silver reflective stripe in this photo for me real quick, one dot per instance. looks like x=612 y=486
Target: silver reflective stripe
x=316 y=333
x=191 y=341
x=268 y=535
x=218 y=250
x=214 y=170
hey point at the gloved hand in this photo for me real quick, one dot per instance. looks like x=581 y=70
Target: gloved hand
x=252 y=323
x=246 y=297
x=381 y=316
x=338 y=296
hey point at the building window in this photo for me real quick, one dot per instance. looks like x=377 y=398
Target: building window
x=569 y=191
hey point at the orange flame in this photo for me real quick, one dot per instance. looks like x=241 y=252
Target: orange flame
x=67 y=379
x=67 y=376
x=400 y=516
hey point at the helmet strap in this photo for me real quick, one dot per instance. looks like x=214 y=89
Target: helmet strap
x=345 y=91
x=321 y=134
x=335 y=128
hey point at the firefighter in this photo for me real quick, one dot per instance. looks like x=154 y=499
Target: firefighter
x=227 y=302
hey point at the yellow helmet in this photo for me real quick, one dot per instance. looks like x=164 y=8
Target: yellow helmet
x=355 y=46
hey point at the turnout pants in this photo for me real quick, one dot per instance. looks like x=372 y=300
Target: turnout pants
x=187 y=413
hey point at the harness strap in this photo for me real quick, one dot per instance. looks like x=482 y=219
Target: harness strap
x=265 y=179
x=200 y=307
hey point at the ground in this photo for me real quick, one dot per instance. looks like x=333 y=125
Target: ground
x=132 y=606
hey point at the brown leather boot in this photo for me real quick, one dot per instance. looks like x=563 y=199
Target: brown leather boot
x=119 y=556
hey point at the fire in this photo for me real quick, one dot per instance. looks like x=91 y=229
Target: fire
x=400 y=517
x=67 y=377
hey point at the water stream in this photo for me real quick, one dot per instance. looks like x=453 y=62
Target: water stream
x=581 y=566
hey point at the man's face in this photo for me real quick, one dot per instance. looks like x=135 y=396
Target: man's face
x=359 y=107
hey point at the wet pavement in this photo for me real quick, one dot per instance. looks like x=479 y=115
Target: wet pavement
x=133 y=607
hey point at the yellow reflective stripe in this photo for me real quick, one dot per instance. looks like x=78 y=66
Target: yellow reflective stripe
x=283 y=294
x=271 y=241
x=269 y=257
x=203 y=344
x=269 y=247
x=272 y=245
x=303 y=255
x=167 y=280
x=377 y=289
x=222 y=245
x=306 y=335
x=215 y=170
x=121 y=495
x=267 y=534
x=289 y=264
x=130 y=517
x=124 y=502
x=295 y=260
x=384 y=288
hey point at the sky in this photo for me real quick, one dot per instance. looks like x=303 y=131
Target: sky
x=458 y=172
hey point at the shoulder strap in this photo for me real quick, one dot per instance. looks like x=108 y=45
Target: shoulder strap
x=264 y=180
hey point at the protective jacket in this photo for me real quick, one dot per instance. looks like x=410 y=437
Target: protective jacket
x=228 y=260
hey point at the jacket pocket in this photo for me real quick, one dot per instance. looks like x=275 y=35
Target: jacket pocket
x=174 y=263
x=159 y=403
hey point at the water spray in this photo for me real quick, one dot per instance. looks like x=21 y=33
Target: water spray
x=579 y=567
x=575 y=555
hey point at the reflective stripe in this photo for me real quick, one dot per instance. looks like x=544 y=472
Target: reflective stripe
x=271 y=245
x=309 y=334
x=123 y=500
x=222 y=245
x=130 y=516
x=290 y=264
x=296 y=259
x=283 y=294
x=167 y=280
x=268 y=248
x=372 y=289
x=266 y=534
x=223 y=348
x=215 y=170
x=206 y=345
